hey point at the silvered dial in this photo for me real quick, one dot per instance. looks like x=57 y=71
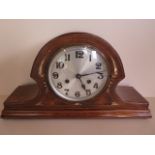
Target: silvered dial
x=78 y=73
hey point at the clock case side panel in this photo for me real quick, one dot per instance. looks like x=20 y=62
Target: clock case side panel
x=40 y=66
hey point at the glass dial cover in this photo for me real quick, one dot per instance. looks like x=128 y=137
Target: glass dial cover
x=78 y=73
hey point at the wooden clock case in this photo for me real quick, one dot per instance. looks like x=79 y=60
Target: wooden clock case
x=39 y=100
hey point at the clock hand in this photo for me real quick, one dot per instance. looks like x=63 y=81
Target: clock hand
x=82 y=84
x=90 y=73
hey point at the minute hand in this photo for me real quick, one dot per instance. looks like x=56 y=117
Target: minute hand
x=91 y=73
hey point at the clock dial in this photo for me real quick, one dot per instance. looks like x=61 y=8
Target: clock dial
x=78 y=73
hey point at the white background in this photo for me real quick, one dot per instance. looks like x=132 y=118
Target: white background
x=75 y=144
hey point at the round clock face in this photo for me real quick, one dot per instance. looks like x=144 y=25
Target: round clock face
x=78 y=73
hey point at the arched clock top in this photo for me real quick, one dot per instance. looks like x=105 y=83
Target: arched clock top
x=39 y=69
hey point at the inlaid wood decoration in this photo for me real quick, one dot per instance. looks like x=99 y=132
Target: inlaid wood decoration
x=76 y=76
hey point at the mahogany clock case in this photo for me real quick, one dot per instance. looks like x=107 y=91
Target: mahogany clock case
x=39 y=100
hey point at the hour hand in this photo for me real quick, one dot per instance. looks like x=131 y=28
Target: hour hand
x=83 y=86
x=78 y=76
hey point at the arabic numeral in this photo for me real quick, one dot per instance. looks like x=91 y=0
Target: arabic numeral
x=55 y=75
x=77 y=94
x=59 y=85
x=95 y=85
x=67 y=57
x=98 y=65
x=100 y=76
x=66 y=91
x=59 y=65
x=88 y=92
x=79 y=54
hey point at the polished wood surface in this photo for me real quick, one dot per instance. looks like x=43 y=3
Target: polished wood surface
x=22 y=104
x=119 y=126
x=40 y=101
